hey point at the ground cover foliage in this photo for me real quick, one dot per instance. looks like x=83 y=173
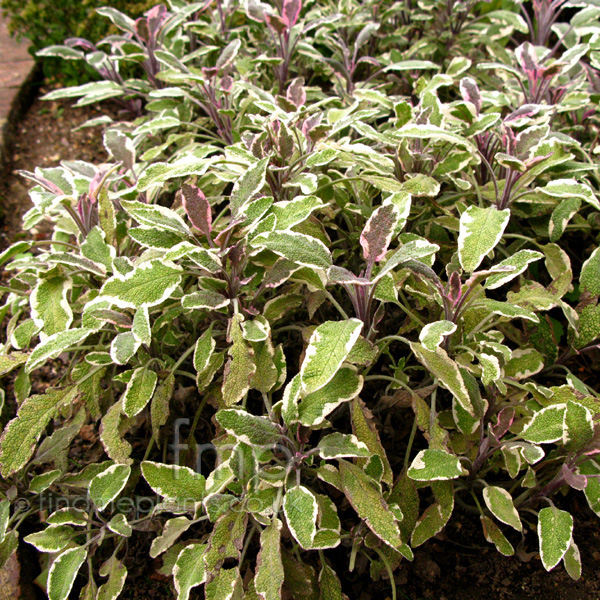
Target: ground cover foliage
x=354 y=247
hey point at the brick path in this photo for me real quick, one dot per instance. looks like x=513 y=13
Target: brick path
x=15 y=64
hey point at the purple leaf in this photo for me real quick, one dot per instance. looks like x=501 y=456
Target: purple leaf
x=291 y=12
x=527 y=58
x=470 y=92
x=574 y=480
x=226 y=84
x=454 y=289
x=505 y=419
x=311 y=123
x=296 y=93
x=377 y=234
x=276 y=23
x=197 y=208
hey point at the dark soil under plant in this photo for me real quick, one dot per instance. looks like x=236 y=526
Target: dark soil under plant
x=456 y=565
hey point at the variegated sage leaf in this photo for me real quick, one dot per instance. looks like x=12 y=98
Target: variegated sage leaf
x=174 y=482
x=112 y=589
x=364 y=495
x=154 y=215
x=147 y=285
x=63 y=571
x=21 y=434
x=240 y=367
x=50 y=308
x=435 y=465
x=520 y=261
x=343 y=387
x=555 y=531
x=433 y=334
x=446 y=370
x=172 y=530
x=501 y=505
x=249 y=429
x=493 y=534
x=301 y=249
x=269 y=566
x=340 y=445
x=546 y=425
x=301 y=511
x=329 y=345
x=589 y=280
x=54 y=345
x=106 y=486
x=139 y=391
x=480 y=231
x=189 y=571
x=248 y=185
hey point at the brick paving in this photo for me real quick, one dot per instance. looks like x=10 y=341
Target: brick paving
x=15 y=65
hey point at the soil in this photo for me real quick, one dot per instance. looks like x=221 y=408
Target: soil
x=456 y=565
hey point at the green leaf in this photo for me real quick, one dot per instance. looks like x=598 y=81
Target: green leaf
x=240 y=367
x=365 y=429
x=343 y=387
x=480 y=231
x=269 y=566
x=112 y=589
x=63 y=572
x=174 y=482
x=11 y=361
x=546 y=425
x=301 y=249
x=500 y=503
x=555 y=531
x=329 y=585
x=431 y=132
x=560 y=217
x=50 y=308
x=226 y=540
x=339 y=445
x=147 y=285
x=520 y=261
x=224 y=585
x=365 y=497
x=248 y=185
x=494 y=535
x=249 y=429
x=185 y=165
x=172 y=530
x=446 y=370
x=159 y=409
x=436 y=516
x=106 y=486
x=433 y=334
x=54 y=345
x=301 y=510
x=572 y=561
x=589 y=280
x=141 y=327
x=435 y=465
x=139 y=391
x=95 y=248
x=21 y=434
x=189 y=571
x=329 y=345
x=111 y=437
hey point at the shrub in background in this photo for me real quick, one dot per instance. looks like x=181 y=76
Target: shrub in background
x=44 y=22
x=354 y=246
